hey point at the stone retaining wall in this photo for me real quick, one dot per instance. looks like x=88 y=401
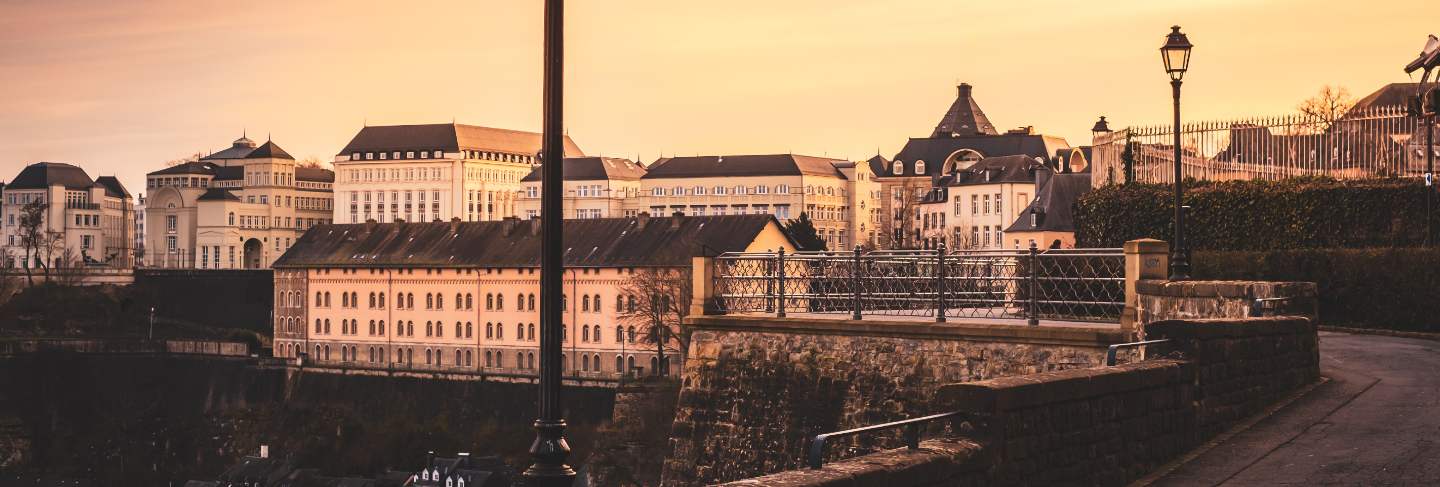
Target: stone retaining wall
x=1103 y=425
x=1187 y=300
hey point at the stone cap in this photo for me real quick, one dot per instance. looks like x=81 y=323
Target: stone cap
x=1019 y=392
x=934 y=463
x=1080 y=336
x=1225 y=289
x=1147 y=246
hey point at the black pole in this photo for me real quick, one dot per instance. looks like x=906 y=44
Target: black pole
x=550 y=449
x=1179 y=259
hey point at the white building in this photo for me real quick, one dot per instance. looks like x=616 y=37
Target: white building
x=422 y=173
x=238 y=208
x=971 y=206
x=86 y=222
x=595 y=187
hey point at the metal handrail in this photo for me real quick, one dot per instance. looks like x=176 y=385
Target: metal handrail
x=1111 y=353
x=1258 y=310
x=816 y=458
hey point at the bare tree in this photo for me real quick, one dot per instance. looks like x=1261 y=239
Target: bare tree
x=312 y=162
x=33 y=236
x=656 y=301
x=1326 y=107
x=69 y=268
x=900 y=227
x=9 y=284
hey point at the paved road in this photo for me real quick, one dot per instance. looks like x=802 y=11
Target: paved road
x=1376 y=422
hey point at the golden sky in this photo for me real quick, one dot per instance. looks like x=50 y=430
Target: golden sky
x=119 y=87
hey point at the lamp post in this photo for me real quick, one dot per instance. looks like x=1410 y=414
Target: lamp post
x=1424 y=108
x=1176 y=54
x=550 y=449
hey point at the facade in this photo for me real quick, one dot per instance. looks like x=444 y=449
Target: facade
x=836 y=194
x=970 y=208
x=86 y=222
x=1048 y=222
x=239 y=208
x=422 y=173
x=595 y=187
x=963 y=137
x=464 y=296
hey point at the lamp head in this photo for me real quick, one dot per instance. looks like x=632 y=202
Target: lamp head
x=1176 y=53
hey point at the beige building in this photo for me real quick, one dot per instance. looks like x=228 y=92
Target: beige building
x=238 y=208
x=836 y=194
x=86 y=222
x=595 y=187
x=464 y=296
x=971 y=208
x=422 y=173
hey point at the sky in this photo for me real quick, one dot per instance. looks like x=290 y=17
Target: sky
x=120 y=88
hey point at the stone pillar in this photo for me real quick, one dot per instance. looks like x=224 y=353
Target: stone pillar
x=1144 y=259
x=702 y=284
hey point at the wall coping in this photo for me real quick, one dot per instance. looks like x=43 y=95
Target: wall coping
x=1078 y=336
x=1229 y=327
x=1224 y=289
x=1018 y=392
x=934 y=462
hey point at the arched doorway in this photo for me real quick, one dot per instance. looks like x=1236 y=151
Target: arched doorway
x=253 y=251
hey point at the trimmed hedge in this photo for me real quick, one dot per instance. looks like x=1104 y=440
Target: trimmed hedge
x=1260 y=215
x=1391 y=288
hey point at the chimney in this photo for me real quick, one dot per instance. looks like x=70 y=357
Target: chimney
x=264 y=451
x=1042 y=176
x=963 y=91
x=509 y=225
x=676 y=219
x=455 y=224
x=534 y=226
x=429 y=459
x=641 y=220
x=369 y=226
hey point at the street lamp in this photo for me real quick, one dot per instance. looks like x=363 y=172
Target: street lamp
x=550 y=448
x=1176 y=54
x=1429 y=58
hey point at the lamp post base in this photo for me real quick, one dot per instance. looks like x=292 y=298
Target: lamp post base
x=549 y=450
x=1179 y=265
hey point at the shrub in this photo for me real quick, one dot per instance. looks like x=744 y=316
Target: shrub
x=1390 y=288
x=1259 y=215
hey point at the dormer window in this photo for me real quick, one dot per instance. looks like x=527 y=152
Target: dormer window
x=369 y=155
x=424 y=475
x=382 y=156
x=410 y=154
x=437 y=154
x=449 y=482
x=919 y=167
x=898 y=168
x=355 y=156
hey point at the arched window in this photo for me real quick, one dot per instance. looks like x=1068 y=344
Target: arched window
x=469 y=359
x=382 y=300
x=469 y=301
x=585 y=333
x=585 y=363
x=317 y=352
x=489 y=302
x=489 y=331
x=469 y=329
x=654 y=366
x=459 y=304
x=597 y=303
x=631 y=331
x=532 y=332
x=428 y=359
x=327 y=299
x=372 y=300
x=327 y=352
x=500 y=302
x=597 y=334
x=630 y=361
x=489 y=361
x=372 y=327
x=619 y=303
x=344 y=300
x=898 y=168
x=919 y=167
x=457 y=330
x=619 y=334
x=429 y=328
x=439 y=329
x=519 y=360
x=596 y=360
x=585 y=303
x=457 y=357
x=519 y=331
x=532 y=301
x=382 y=330
x=439 y=301
x=499 y=331
x=429 y=301
x=630 y=304
x=520 y=302
x=619 y=363
x=327 y=326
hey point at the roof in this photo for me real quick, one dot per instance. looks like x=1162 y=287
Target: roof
x=314 y=174
x=42 y=175
x=878 y=164
x=237 y=150
x=595 y=168
x=1393 y=94
x=1056 y=202
x=639 y=241
x=188 y=167
x=992 y=170
x=269 y=151
x=964 y=117
x=935 y=151
x=217 y=194
x=449 y=137
x=112 y=186
x=743 y=165
x=226 y=173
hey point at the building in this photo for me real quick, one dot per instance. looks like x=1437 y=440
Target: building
x=463 y=470
x=237 y=208
x=1048 y=222
x=595 y=187
x=836 y=194
x=962 y=138
x=86 y=222
x=139 y=233
x=464 y=296
x=971 y=207
x=421 y=173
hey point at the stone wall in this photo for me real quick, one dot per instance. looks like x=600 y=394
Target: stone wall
x=1103 y=425
x=1187 y=300
x=754 y=389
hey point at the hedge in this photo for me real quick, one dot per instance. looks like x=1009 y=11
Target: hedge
x=1260 y=215
x=1391 y=288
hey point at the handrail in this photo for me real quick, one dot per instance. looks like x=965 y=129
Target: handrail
x=816 y=458
x=1256 y=308
x=1110 y=354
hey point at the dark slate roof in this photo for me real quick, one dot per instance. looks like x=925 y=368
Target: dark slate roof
x=189 y=167
x=1056 y=202
x=990 y=170
x=934 y=151
x=878 y=164
x=112 y=186
x=226 y=173
x=43 y=175
x=314 y=174
x=595 y=168
x=449 y=137
x=237 y=150
x=269 y=150
x=743 y=165
x=640 y=241
x=964 y=117
x=218 y=194
x=1393 y=94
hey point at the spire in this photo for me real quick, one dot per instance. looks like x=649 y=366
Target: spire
x=964 y=117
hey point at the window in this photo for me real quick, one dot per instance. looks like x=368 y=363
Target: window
x=897 y=168
x=986 y=205
x=997 y=204
x=782 y=189
x=974 y=204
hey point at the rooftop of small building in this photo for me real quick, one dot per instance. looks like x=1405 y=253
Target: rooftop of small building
x=42 y=175
x=449 y=137
x=594 y=168
x=743 y=165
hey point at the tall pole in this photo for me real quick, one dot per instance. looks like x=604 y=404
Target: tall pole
x=550 y=449
x=1179 y=258
x=1429 y=125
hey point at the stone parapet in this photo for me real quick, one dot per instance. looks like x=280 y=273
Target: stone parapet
x=1159 y=300
x=944 y=462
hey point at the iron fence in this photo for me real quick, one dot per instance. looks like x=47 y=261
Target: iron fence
x=1367 y=143
x=1028 y=284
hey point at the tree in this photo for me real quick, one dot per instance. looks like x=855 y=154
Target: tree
x=900 y=225
x=802 y=231
x=311 y=162
x=32 y=234
x=661 y=300
x=1326 y=107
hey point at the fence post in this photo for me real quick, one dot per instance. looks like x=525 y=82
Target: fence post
x=769 y=285
x=780 y=282
x=940 y=282
x=702 y=286
x=855 y=285
x=1032 y=309
x=1144 y=259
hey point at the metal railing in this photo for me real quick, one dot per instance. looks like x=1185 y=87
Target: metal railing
x=1112 y=354
x=816 y=456
x=1368 y=143
x=1028 y=284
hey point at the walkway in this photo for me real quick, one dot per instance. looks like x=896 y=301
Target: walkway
x=1376 y=422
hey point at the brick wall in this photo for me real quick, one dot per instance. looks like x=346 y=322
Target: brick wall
x=1102 y=425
